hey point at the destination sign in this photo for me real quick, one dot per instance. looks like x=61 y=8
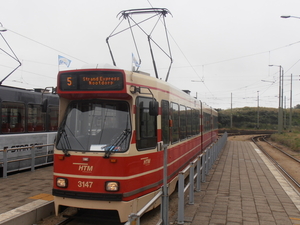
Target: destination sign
x=91 y=81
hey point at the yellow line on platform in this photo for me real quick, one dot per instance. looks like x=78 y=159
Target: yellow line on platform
x=43 y=196
x=292 y=218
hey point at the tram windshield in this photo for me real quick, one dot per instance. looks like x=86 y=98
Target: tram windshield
x=95 y=125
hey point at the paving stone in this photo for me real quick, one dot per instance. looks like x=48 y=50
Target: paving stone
x=241 y=189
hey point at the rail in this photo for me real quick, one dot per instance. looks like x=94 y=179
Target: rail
x=32 y=157
x=281 y=169
x=203 y=163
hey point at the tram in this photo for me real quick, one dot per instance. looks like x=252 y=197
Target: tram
x=28 y=117
x=114 y=125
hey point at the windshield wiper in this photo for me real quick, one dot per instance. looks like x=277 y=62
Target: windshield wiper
x=119 y=140
x=64 y=141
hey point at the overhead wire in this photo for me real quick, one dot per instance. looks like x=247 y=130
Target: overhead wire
x=190 y=65
x=285 y=46
x=226 y=60
x=231 y=59
x=47 y=46
x=254 y=54
x=30 y=72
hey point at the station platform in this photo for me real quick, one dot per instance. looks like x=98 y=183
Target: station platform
x=243 y=187
x=25 y=197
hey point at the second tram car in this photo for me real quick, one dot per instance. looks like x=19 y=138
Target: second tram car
x=113 y=126
x=28 y=117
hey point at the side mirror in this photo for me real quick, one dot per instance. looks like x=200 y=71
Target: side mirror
x=153 y=108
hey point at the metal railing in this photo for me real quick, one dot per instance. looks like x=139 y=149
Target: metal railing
x=203 y=163
x=134 y=218
x=32 y=157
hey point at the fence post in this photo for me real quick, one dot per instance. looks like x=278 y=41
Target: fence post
x=198 y=181
x=216 y=151
x=192 y=171
x=212 y=157
x=32 y=158
x=132 y=218
x=207 y=161
x=165 y=195
x=203 y=166
x=180 y=219
x=5 y=164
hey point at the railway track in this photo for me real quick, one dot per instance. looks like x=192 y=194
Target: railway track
x=287 y=154
x=287 y=164
x=90 y=217
x=65 y=221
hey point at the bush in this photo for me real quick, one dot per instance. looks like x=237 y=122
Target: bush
x=246 y=118
x=292 y=140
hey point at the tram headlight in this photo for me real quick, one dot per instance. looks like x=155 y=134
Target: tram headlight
x=62 y=182
x=112 y=186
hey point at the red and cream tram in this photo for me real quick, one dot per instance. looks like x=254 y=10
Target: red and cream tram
x=113 y=125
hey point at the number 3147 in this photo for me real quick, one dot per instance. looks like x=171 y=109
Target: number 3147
x=85 y=184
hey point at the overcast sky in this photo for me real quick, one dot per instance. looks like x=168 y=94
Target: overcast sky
x=226 y=44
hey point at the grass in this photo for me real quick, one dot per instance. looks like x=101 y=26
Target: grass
x=292 y=140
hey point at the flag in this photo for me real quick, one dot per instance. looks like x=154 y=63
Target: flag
x=63 y=60
x=135 y=62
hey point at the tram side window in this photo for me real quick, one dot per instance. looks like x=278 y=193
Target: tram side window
x=182 y=122
x=36 y=118
x=215 y=122
x=165 y=129
x=53 y=118
x=189 y=122
x=195 y=122
x=13 y=117
x=207 y=122
x=146 y=125
x=175 y=119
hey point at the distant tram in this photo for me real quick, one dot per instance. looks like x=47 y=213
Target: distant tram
x=28 y=117
x=113 y=126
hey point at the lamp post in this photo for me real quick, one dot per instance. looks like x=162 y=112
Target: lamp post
x=291 y=99
x=290 y=124
x=231 y=110
x=280 y=101
x=257 y=110
x=197 y=81
x=287 y=16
